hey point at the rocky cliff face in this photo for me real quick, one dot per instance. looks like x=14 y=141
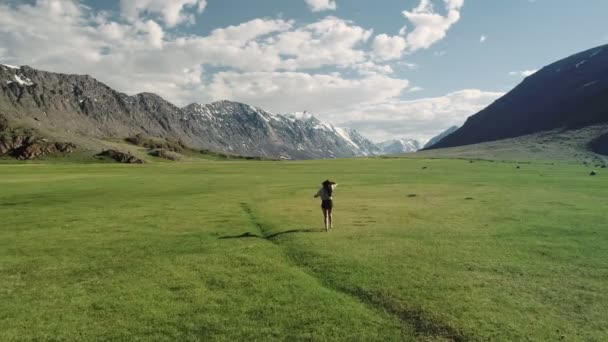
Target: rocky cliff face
x=81 y=105
x=25 y=144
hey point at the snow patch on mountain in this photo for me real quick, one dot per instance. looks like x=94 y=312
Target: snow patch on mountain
x=595 y=53
x=400 y=146
x=344 y=135
x=590 y=84
x=354 y=141
x=578 y=65
x=23 y=81
x=10 y=66
x=302 y=116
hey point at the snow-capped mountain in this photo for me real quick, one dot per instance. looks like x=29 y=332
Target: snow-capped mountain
x=366 y=147
x=356 y=142
x=82 y=107
x=399 y=146
x=243 y=129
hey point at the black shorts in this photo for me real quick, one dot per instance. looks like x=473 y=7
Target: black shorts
x=327 y=204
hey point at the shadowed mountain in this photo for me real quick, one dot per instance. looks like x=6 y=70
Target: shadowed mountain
x=441 y=136
x=569 y=94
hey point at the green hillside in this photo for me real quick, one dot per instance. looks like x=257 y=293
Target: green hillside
x=569 y=146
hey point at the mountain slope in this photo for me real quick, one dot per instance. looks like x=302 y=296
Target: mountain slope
x=568 y=94
x=364 y=145
x=244 y=129
x=82 y=105
x=79 y=107
x=570 y=146
x=441 y=136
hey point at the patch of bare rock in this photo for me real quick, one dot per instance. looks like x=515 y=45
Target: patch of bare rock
x=27 y=146
x=121 y=157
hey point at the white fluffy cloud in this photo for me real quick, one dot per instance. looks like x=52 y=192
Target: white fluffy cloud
x=172 y=12
x=321 y=5
x=430 y=26
x=388 y=48
x=285 y=92
x=330 y=41
x=418 y=119
x=523 y=73
x=61 y=35
x=155 y=33
x=331 y=67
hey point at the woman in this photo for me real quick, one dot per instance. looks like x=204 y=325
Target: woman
x=327 y=204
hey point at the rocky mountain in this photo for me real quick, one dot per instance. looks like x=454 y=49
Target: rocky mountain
x=76 y=105
x=440 y=137
x=246 y=130
x=82 y=105
x=356 y=142
x=365 y=146
x=399 y=146
x=568 y=94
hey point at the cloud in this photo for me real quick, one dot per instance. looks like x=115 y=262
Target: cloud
x=483 y=39
x=371 y=104
x=322 y=5
x=371 y=68
x=523 y=73
x=388 y=48
x=155 y=33
x=331 y=67
x=429 y=26
x=137 y=56
x=330 y=41
x=285 y=92
x=418 y=119
x=172 y=12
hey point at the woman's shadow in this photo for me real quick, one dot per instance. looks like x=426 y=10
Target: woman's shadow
x=271 y=236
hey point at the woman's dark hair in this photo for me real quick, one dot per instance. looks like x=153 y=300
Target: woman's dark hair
x=327 y=186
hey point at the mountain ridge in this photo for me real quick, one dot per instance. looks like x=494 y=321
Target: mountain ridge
x=441 y=136
x=84 y=106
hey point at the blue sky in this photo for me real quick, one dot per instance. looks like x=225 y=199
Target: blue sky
x=350 y=62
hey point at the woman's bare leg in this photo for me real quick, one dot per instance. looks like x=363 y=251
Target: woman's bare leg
x=331 y=218
x=326 y=219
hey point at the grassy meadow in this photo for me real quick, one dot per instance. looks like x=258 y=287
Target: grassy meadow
x=233 y=250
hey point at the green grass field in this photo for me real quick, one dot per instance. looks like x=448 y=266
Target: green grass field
x=225 y=251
